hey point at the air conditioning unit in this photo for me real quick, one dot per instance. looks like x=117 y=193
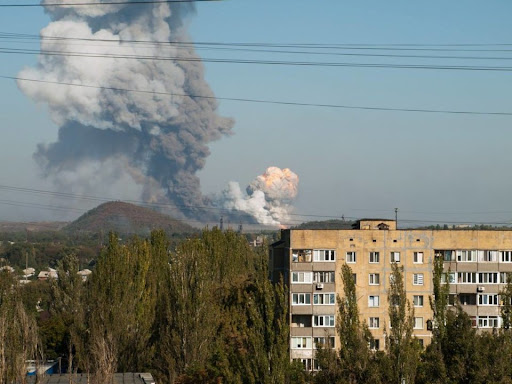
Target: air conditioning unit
x=320 y=286
x=480 y=289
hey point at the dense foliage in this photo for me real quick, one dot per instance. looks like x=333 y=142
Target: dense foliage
x=204 y=311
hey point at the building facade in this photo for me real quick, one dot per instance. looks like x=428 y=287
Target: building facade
x=309 y=261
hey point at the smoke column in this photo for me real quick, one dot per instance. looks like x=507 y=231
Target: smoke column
x=268 y=198
x=142 y=145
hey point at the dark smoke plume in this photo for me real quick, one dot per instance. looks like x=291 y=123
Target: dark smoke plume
x=149 y=146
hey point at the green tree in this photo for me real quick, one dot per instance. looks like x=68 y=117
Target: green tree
x=18 y=332
x=63 y=330
x=120 y=308
x=402 y=348
x=355 y=362
x=432 y=368
x=506 y=303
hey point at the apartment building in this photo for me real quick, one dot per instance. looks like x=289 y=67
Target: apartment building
x=310 y=262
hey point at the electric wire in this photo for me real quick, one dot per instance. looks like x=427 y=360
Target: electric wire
x=437 y=67
x=218 y=209
x=262 y=101
x=228 y=47
x=269 y=45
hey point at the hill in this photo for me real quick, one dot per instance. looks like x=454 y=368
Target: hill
x=125 y=218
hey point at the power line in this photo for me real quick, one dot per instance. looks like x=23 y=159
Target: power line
x=122 y=44
x=244 y=47
x=349 y=46
x=134 y=2
x=162 y=205
x=261 y=101
x=20 y=51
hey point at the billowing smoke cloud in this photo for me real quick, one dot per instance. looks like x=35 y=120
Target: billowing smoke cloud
x=268 y=198
x=107 y=136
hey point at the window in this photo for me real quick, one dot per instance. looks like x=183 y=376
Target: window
x=506 y=256
x=490 y=256
x=301 y=321
x=418 y=257
x=488 y=299
x=467 y=298
x=466 y=278
x=301 y=298
x=374 y=344
x=505 y=277
x=373 y=301
x=418 y=323
x=417 y=300
x=301 y=255
x=464 y=256
x=325 y=342
x=324 y=255
x=448 y=255
x=324 y=299
x=488 y=322
x=323 y=277
x=373 y=322
x=450 y=276
x=323 y=321
x=351 y=257
x=395 y=257
x=302 y=277
x=354 y=277
x=301 y=343
x=488 y=277
x=308 y=364
x=374 y=279
x=374 y=257
x=417 y=279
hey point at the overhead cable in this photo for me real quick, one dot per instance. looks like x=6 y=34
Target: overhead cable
x=276 y=102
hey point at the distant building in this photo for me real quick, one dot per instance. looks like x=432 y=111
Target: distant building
x=48 y=274
x=84 y=274
x=310 y=262
x=29 y=272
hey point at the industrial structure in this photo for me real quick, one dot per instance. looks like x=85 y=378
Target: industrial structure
x=309 y=261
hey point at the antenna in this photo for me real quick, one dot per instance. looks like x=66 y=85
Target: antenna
x=396 y=217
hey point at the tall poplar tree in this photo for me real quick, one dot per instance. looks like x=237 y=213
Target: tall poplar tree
x=18 y=332
x=402 y=348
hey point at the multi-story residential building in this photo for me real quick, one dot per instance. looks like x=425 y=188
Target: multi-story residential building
x=310 y=262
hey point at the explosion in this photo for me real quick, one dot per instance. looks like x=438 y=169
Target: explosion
x=268 y=197
x=147 y=143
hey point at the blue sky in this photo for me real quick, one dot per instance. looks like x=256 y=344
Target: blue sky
x=356 y=163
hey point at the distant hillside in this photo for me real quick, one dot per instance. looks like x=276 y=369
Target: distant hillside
x=125 y=218
x=327 y=224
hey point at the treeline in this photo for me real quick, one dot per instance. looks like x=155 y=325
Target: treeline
x=203 y=312
x=457 y=353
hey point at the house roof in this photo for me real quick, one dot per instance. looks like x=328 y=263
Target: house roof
x=82 y=378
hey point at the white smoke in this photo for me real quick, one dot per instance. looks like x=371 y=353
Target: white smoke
x=268 y=198
x=159 y=141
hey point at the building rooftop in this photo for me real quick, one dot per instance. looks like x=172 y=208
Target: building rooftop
x=81 y=378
